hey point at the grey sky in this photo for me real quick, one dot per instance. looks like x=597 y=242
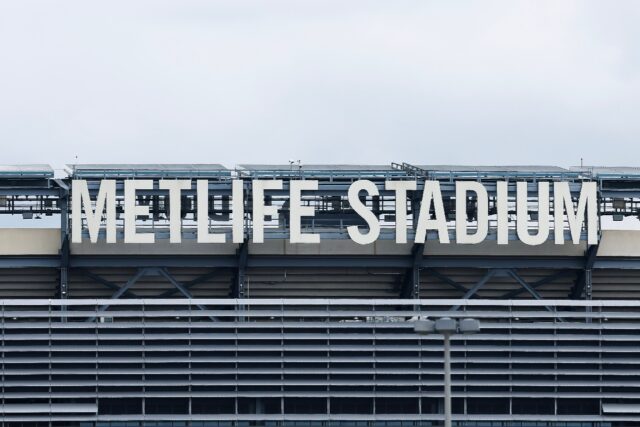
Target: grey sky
x=322 y=81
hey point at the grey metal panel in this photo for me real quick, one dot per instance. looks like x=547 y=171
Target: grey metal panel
x=497 y=168
x=620 y=171
x=26 y=171
x=324 y=348
x=314 y=167
x=50 y=408
x=173 y=170
x=620 y=408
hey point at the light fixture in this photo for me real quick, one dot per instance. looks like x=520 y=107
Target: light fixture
x=619 y=204
x=447 y=327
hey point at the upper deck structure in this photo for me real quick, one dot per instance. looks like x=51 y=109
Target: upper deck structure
x=279 y=333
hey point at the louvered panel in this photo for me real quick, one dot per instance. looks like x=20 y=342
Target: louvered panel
x=216 y=349
x=323 y=283
x=498 y=286
x=616 y=284
x=28 y=283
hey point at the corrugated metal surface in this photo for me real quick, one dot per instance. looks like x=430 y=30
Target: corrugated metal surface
x=280 y=350
x=28 y=283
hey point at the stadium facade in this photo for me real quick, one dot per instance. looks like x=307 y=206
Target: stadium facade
x=275 y=333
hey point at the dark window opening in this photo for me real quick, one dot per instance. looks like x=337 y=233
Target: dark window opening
x=305 y=405
x=127 y=405
x=489 y=405
x=532 y=406
x=213 y=405
x=351 y=405
x=578 y=407
x=397 y=405
x=164 y=405
x=258 y=405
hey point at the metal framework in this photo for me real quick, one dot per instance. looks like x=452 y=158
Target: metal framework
x=280 y=335
x=287 y=361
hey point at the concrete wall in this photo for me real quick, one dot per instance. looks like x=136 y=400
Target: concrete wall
x=29 y=241
x=46 y=241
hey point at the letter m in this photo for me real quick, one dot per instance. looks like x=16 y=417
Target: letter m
x=587 y=207
x=105 y=204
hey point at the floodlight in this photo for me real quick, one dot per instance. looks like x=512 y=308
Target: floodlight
x=469 y=326
x=424 y=327
x=446 y=325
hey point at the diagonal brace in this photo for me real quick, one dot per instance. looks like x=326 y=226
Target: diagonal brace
x=141 y=272
x=528 y=287
x=191 y=283
x=475 y=288
x=184 y=291
x=109 y=284
x=536 y=284
x=446 y=279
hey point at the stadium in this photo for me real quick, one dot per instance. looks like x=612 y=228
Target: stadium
x=185 y=332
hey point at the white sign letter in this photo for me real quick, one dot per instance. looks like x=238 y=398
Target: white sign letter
x=522 y=214
x=587 y=204
x=80 y=198
x=462 y=187
x=401 y=188
x=432 y=192
x=259 y=208
x=131 y=211
x=237 y=210
x=298 y=211
x=362 y=210
x=175 y=186
x=502 y=208
x=202 y=193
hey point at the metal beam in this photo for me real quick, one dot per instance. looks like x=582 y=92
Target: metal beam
x=527 y=287
x=524 y=284
x=105 y=282
x=191 y=283
x=504 y=262
x=141 y=272
x=184 y=291
x=583 y=280
x=19 y=261
x=157 y=261
x=261 y=261
x=238 y=285
x=446 y=279
x=560 y=274
x=475 y=288
x=411 y=280
x=64 y=242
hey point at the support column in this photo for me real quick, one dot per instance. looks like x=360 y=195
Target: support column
x=238 y=285
x=64 y=242
x=63 y=291
x=447 y=380
x=411 y=281
x=583 y=283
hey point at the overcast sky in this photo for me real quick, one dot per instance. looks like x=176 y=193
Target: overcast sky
x=240 y=81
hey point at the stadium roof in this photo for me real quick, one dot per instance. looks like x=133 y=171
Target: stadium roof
x=305 y=167
x=161 y=170
x=609 y=171
x=472 y=168
x=341 y=171
x=33 y=171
